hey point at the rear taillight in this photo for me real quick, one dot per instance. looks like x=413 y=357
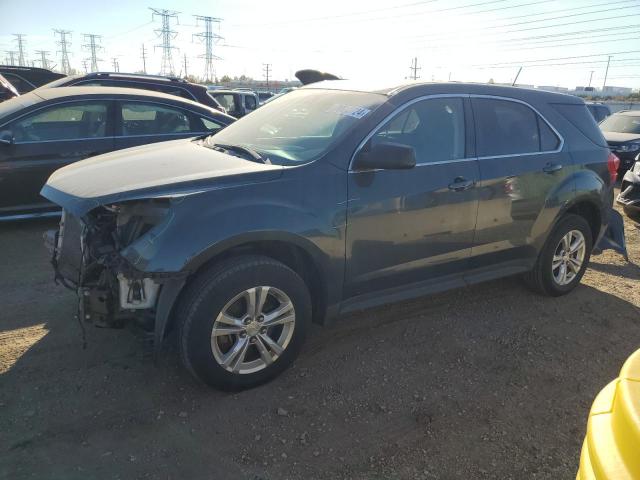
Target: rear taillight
x=613 y=162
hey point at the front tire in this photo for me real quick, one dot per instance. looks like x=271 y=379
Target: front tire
x=243 y=322
x=563 y=259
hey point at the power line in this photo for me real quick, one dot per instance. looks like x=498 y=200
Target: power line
x=330 y=17
x=129 y=31
x=186 y=74
x=85 y=66
x=115 y=64
x=536 y=47
x=605 y=4
x=166 y=34
x=554 y=58
x=563 y=64
x=93 y=48
x=487 y=27
x=19 y=39
x=65 y=67
x=209 y=38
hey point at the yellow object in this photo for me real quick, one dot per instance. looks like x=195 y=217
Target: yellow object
x=611 y=449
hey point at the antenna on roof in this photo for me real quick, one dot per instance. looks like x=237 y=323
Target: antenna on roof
x=516 y=79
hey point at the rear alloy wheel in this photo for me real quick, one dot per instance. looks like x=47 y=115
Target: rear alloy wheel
x=563 y=259
x=568 y=257
x=243 y=322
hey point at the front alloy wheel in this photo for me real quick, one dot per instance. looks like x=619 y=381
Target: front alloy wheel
x=242 y=321
x=253 y=329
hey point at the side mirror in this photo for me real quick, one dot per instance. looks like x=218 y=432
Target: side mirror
x=385 y=156
x=6 y=138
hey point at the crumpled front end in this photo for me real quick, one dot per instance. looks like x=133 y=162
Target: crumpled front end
x=86 y=255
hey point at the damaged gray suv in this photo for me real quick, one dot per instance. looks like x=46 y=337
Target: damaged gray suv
x=330 y=199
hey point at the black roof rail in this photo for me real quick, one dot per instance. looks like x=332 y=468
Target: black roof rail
x=18 y=67
x=137 y=75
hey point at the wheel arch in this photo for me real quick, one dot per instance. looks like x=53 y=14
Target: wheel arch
x=298 y=253
x=588 y=209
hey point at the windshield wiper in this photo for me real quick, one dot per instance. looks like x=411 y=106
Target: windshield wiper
x=255 y=156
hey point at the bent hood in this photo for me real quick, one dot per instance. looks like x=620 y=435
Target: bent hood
x=617 y=137
x=172 y=168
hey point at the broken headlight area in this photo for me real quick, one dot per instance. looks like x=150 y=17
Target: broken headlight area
x=87 y=258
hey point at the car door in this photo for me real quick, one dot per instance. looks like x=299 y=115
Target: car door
x=46 y=140
x=141 y=122
x=521 y=162
x=415 y=226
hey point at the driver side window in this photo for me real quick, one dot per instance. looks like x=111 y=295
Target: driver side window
x=433 y=127
x=72 y=121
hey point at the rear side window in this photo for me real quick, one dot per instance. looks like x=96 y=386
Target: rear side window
x=250 y=102
x=578 y=115
x=152 y=119
x=507 y=128
x=548 y=140
x=227 y=100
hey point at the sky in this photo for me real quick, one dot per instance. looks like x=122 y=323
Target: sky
x=557 y=42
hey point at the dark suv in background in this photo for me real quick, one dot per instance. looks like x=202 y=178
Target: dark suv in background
x=170 y=85
x=25 y=79
x=237 y=103
x=332 y=199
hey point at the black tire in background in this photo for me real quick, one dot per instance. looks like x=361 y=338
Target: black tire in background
x=632 y=213
x=541 y=278
x=206 y=296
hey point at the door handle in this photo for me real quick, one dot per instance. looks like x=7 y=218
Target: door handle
x=552 y=167
x=460 y=184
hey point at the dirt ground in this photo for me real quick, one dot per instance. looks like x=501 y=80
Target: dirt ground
x=484 y=382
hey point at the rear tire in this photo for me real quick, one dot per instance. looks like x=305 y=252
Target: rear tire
x=632 y=213
x=242 y=322
x=563 y=259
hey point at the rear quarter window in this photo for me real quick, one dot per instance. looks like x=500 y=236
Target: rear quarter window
x=505 y=128
x=580 y=117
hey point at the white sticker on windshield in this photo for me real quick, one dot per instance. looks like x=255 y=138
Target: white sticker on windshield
x=349 y=110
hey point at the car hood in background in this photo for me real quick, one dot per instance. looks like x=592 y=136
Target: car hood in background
x=172 y=168
x=617 y=137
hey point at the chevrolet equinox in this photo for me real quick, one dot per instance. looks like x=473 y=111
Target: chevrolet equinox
x=330 y=199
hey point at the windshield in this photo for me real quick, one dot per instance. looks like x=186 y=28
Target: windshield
x=621 y=124
x=301 y=125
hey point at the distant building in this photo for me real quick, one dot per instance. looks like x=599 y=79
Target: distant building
x=551 y=88
x=611 y=90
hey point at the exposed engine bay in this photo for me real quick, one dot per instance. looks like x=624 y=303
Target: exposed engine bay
x=87 y=259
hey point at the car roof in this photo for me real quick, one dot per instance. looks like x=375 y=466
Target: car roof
x=429 y=88
x=61 y=92
x=18 y=68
